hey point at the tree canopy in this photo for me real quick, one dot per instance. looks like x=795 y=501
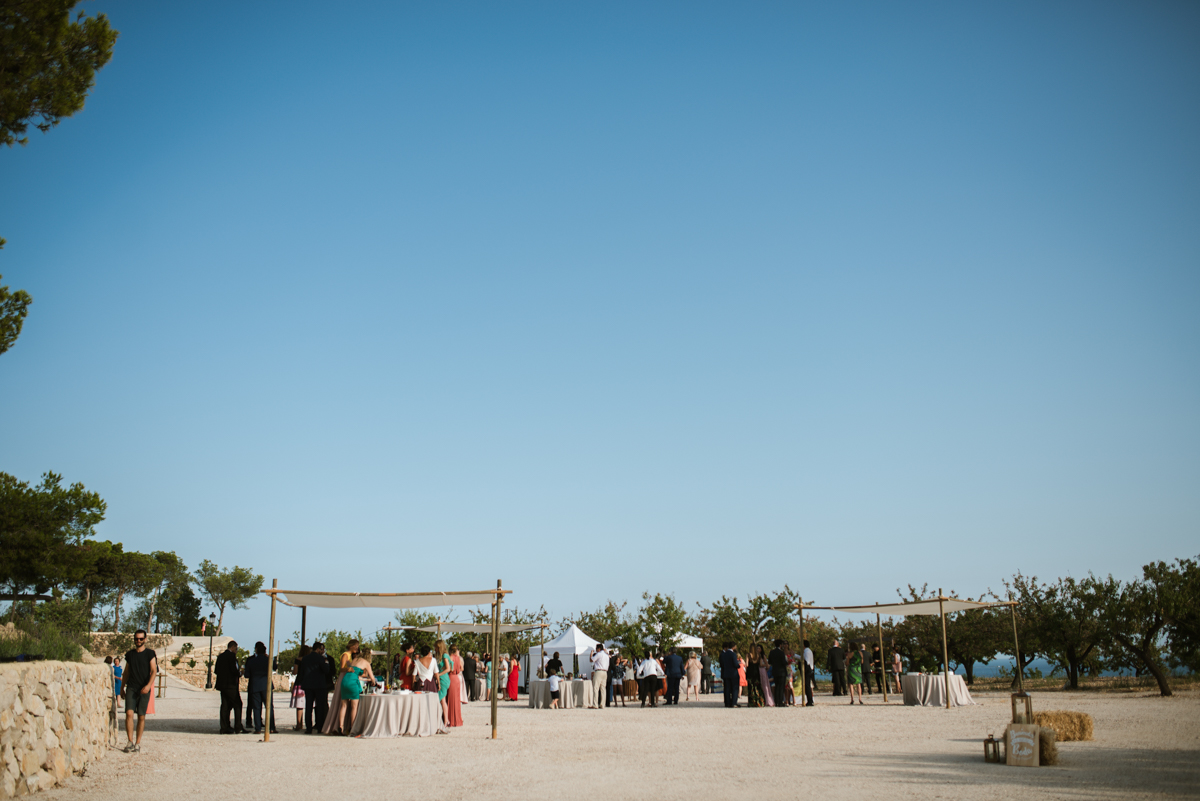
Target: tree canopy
x=48 y=63
x=232 y=588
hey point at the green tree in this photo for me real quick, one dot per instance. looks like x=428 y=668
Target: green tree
x=41 y=531
x=185 y=614
x=766 y=617
x=661 y=619
x=13 y=308
x=1179 y=588
x=608 y=622
x=1134 y=615
x=1063 y=618
x=173 y=579
x=231 y=588
x=48 y=63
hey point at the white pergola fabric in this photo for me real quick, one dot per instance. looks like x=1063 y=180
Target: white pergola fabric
x=933 y=607
x=384 y=600
x=479 y=628
x=683 y=641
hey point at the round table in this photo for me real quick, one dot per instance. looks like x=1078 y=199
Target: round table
x=571 y=694
x=929 y=689
x=398 y=714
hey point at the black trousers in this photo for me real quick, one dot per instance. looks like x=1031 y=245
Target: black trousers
x=809 y=682
x=673 y=689
x=649 y=688
x=315 y=701
x=472 y=695
x=731 y=690
x=839 y=681
x=255 y=702
x=780 y=688
x=231 y=701
x=879 y=681
x=706 y=683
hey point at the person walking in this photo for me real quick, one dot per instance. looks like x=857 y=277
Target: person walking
x=600 y=665
x=673 y=666
x=836 y=666
x=141 y=666
x=694 y=669
x=315 y=674
x=854 y=672
x=729 y=674
x=810 y=678
x=779 y=673
x=258 y=673
x=706 y=673
x=228 y=677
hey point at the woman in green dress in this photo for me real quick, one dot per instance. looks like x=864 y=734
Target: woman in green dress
x=351 y=688
x=854 y=672
x=444 y=666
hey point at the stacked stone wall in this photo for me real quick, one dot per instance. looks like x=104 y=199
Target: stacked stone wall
x=54 y=721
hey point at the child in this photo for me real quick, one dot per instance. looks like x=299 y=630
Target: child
x=554 y=695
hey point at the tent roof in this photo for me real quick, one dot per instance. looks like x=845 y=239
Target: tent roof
x=384 y=600
x=929 y=607
x=685 y=641
x=481 y=628
x=573 y=640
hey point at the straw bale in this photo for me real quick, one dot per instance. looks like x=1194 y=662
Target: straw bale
x=1067 y=725
x=1047 y=750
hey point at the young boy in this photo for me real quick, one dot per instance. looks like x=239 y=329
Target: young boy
x=554 y=694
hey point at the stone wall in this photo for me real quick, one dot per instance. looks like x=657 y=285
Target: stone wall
x=54 y=720
x=105 y=643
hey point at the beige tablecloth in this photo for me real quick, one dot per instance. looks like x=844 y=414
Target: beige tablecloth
x=572 y=694
x=930 y=690
x=393 y=715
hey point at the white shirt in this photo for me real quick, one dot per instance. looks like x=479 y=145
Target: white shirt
x=808 y=657
x=649 y=667
x=600 y=661
x=554 y=683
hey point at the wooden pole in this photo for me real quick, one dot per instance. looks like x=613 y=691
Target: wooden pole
x=270 y=672
x=882 y=663
x=1012 y=608
x=945 y=649
x=388 y=680
x=495 y=656
x=303 y=622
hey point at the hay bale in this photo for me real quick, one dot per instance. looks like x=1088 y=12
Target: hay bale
x=1047 y=750
x=1067 y=725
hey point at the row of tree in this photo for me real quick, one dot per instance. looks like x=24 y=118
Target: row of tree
x=52 y=567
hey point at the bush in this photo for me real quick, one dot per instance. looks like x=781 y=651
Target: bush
x=45 y=640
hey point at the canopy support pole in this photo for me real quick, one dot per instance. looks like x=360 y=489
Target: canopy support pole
x=882 y=664
x=303 y=621
x=1012 y=608
x=945 y=649
x=270 y=671
x=387 y=681
x=495 y=656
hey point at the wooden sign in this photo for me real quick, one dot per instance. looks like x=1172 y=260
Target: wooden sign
x=1022 y=745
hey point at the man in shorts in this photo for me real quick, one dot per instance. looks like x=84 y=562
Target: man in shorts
x=141 y=666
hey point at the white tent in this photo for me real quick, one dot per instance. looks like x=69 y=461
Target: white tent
x=572 y=642
x=685 y=642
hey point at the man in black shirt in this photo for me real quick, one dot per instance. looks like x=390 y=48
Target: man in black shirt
x=228 y=677
x=554 y=664
x=141 y=666
x=837 y=668
x=777 y=659
x=313 y=674
x=469 y=677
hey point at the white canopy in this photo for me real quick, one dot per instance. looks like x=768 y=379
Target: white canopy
x=930 y=607
x=683 y=641
x=572 y=642
x=384 y=600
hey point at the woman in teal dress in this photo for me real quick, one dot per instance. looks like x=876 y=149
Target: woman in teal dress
x=444 y=666
x=352 y=686
x=854 y=672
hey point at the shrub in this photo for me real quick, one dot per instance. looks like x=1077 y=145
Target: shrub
x=45 y=640
x=191 y=663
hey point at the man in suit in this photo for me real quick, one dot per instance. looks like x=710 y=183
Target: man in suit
x=673 y=665
x=837 y=668
x=729 y=674
x=810 y=679
x=227 y=679
x=257 y=672
x=469 y=677
x=777 y=659
x=706 y=674
x=315 y=679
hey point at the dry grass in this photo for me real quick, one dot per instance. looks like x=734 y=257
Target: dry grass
x=1067 y=726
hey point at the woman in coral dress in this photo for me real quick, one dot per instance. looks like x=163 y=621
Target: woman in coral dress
x=514 y=672
x=454 y=692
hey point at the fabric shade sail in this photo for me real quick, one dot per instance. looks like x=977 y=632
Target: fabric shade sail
x=383 y=600
x=931 y=607
x=479 y=628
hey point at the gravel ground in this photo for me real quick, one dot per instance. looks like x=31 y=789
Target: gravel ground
x=1145 y=747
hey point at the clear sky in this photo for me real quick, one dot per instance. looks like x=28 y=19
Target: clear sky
x=603 y=298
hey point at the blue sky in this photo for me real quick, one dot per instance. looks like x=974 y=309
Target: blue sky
x=597 y=299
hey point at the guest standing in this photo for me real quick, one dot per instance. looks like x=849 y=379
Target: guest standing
x=755 y=681
x=352 y=686
x=673 y=666
x=854 y=672
x=117 y=671
x=454 y=695
x=694 y=669
x=617 y=672
x=258 y=674
x=514 y=675
x=877 y=667
x=600 y=665
x=406 y=668
x=443 y=667
x=296 y=701
x=649 y=672
x=837 y=668
x=425 y=672
x=315 y=673
x=228 y=677
x=729 y=673
x=779 y=672
x=502 y=676
x=706 y=673
x=810 y=677
x=897 y=670
x=468 y=672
